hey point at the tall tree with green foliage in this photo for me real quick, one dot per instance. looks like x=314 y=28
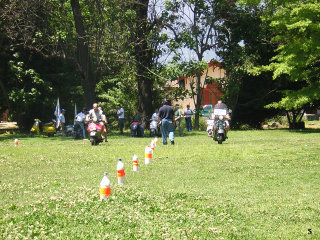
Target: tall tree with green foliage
x=297 y=34
x=193 y=28
x=243 y=43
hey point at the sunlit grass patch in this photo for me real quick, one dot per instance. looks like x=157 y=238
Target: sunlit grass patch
x=256 y=185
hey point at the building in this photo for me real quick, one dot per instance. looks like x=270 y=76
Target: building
x=210 y=93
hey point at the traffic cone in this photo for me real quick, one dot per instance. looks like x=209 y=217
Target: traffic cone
x=156 y=141
x=120 y=172
x=147 y=155
x=135 y=163
x=105 y=189
x=152 y=147
x=16 y=142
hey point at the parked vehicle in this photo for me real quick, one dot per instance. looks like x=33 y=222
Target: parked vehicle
x=137 y=129
x=77 y=132
x=69 y=130
x=206 y=110
x=154 y=128
x=49 y=128
x=94 y=130
x=35 y=128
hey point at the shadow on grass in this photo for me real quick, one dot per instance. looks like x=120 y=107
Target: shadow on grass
x=302 y=131
x=4 y=137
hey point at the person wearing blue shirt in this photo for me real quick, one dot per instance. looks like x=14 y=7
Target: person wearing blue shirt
x=187 y=115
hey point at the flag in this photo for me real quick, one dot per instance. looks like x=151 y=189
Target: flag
x=57 y=112
x=75 y=112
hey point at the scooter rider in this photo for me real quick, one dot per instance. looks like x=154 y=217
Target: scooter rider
x=221 y=105
x=97 y=116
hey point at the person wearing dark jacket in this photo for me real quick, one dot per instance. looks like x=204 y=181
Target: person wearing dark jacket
x=166 y=116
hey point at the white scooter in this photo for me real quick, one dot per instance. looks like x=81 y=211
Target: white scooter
x=154 y=130
x=210 y=127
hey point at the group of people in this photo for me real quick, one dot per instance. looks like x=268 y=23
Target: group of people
x=168 y=118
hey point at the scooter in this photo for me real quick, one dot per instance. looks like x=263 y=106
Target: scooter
x=94 y=130
x=210 y=127
x=77 y=131
x=154 y=130
x=69 y=130
x=220 y=125
x=220 y=130
x=137 y=129
x=49 y=128
x=35 y=128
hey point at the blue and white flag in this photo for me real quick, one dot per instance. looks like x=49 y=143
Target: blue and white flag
x=75 y=112
x=57 y=112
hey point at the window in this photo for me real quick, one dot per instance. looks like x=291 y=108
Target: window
x=182 y=84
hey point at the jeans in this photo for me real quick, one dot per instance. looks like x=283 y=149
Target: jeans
x=82 y=128
x=167 y=129
x=188 y=124
x=178 y=125
x=121 y=124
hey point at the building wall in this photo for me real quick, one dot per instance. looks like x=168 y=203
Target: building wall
x=210 y=91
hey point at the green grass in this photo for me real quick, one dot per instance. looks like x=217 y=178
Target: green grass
x=256 y=185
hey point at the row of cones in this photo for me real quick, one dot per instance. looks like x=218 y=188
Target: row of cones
x=105 y=189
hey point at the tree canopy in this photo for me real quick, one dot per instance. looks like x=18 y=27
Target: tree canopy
x=111 y=51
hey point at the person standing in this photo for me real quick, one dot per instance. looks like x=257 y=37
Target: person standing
x=187 y=114
x=120 y=114
x=178 y=116
x=80 y=117
x=166 y=116
x=62 y=122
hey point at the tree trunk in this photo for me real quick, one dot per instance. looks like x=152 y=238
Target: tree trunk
x=295 y=121
x=198 y=103
x=143 y=59
x=5 y=94
x=84 y=65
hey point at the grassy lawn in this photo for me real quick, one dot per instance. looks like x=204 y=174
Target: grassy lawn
x=256 y=185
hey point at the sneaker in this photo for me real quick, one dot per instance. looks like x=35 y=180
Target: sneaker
x=172 y=142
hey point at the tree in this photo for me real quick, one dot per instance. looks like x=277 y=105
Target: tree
x=243 y=43
x=193 y=26
x=297 y=34
x=295 y=66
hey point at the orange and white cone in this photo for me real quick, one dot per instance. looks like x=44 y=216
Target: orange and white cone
x=147 y=155
x=152 y=147
x=120 y=172
x=105 y=189
x=155 y=142
x=16 y=142
x=135 y=163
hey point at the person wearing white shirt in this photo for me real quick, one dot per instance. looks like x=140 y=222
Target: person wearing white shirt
x=80 y=117
x=120 y=114
x=62 y=121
